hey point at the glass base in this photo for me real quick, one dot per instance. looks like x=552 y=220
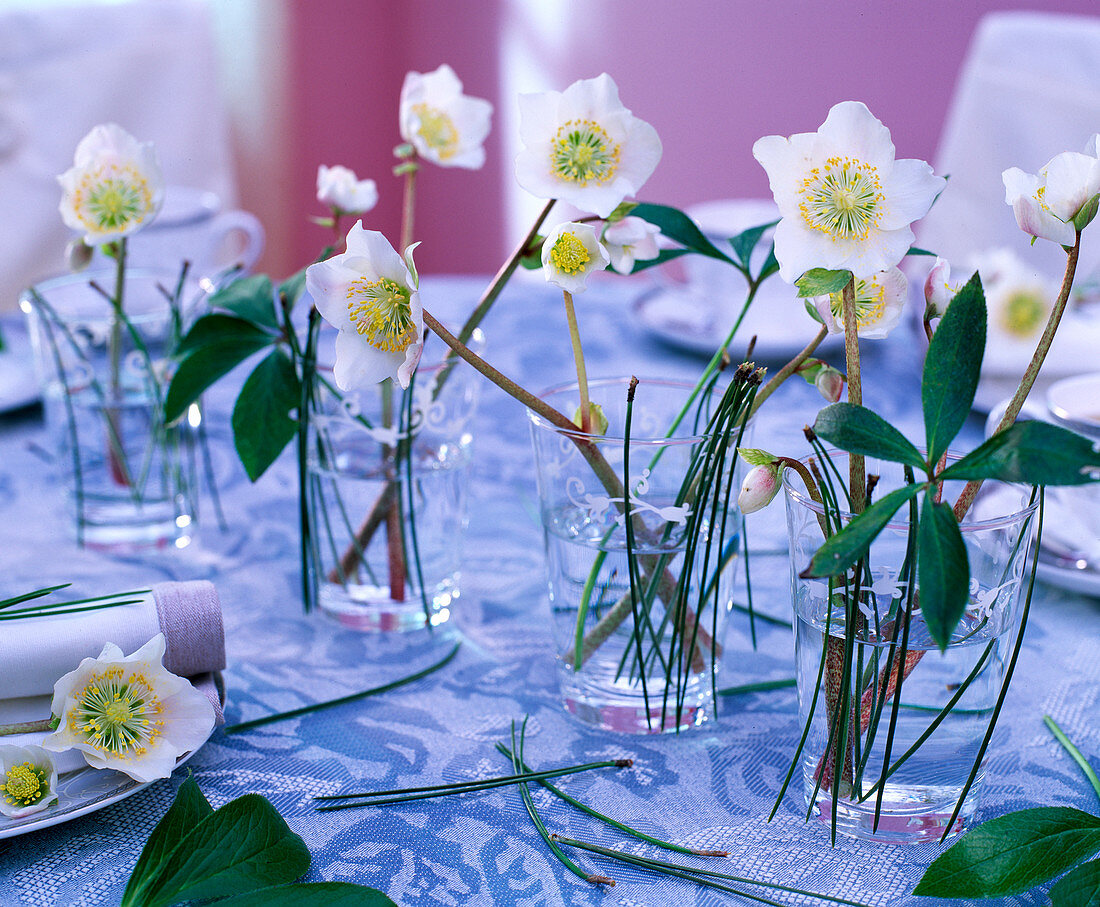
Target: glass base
x=909 y=815
x=622 y=706
x=123 y=527
x=370 y=608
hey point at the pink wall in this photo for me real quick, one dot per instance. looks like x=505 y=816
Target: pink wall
x=711 y=77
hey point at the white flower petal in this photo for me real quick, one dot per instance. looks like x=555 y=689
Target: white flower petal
x=445 y=126
x=852 y=129
x=359 y=365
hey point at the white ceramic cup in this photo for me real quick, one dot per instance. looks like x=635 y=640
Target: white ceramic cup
x=192 y=226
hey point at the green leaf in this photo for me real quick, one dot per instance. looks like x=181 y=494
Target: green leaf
x=1079 y=888
x=952 y=366
x=531 y=259
x=1035 y=453
x=644 y=264
x=251 y=298
x=942 y=570
x=770 y=266
x=262 y=425
x=679 y=227
x=842 y=550
x=861 y=431
x=746 y=241
x=1012 y=853
x=1086 y=213
x=293 y=287
x=307 y=894
x=206 y=365
x=221 y=328
x=754 y=456
x=913 y=250
x=242 y=846
x=821 y=282
x=188 y=809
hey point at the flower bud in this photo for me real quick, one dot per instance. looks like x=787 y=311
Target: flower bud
x=938 y=289
x=829 y=383
x=78 y=254
x=759 y=488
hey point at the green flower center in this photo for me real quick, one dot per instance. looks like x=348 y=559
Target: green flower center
x=437 y=130
x=382 y=313
x=118 y=713
x=870 y=299
x=842 y=199
x=113 y=200
x=24 y=785
x=583 y=152
x=569 y=255
x=1023 y=314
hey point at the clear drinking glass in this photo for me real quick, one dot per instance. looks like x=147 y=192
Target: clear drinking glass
x=387 y=502
x=922 y=786
x=131 y=479
x=644 y=663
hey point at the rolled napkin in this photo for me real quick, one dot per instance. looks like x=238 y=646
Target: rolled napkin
x=36 y=651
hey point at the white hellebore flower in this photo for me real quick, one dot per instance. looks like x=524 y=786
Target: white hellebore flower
x=1019 y=299
x=570 y=253
x=629 y=240
x=880 y=300
x=28 y=780
x=445 y=126
x=114 y=187
x=1045 y=203
x=845 y=202
x=341 y=190
x=369 y=294
x=584 y=147
x=128 y=713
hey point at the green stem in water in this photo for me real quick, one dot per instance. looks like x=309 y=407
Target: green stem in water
x=578 y=358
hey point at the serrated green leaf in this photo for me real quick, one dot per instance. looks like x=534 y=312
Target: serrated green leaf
x=293 y=287
x=679 y=227
x=206 y=365
x=842 y=550
x=262 y=425
x=252 y=298
x=822 y=282
x=861 y=431
x=662 y=256
x=952 y=368
x=308 y=894
x=1010 y=854
x=242 y=846
x=755 y=456
x=1079 y=888
x=188 y=809
x=745 y=242
x=942 y=570
x=1034 y=453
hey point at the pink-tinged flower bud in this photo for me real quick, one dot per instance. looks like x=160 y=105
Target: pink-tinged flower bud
x=938 y=288
x=759 y=488
x=829 y=383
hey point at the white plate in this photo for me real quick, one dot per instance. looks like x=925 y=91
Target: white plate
x=1072 y=579
x=684 y=319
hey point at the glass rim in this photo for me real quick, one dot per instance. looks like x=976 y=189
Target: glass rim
x=802 y=498
x=695 y=438
x=199 y=287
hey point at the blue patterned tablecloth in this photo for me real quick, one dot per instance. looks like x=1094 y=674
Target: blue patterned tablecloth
x=710 y=788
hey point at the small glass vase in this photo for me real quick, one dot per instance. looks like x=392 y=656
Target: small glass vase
x=927 y=740
x=641 y=662
x=131 y=480
x=386 y=496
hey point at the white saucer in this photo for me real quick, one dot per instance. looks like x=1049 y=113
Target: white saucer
x=682 y=318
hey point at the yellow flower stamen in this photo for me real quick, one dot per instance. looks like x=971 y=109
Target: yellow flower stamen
x=382 y=314
x=843 y=199
x=569 y=255
x=583 y=152
x=870 y=303
x=113 y=712
x=24 y=785
x=437 y=130
x=112 y=198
